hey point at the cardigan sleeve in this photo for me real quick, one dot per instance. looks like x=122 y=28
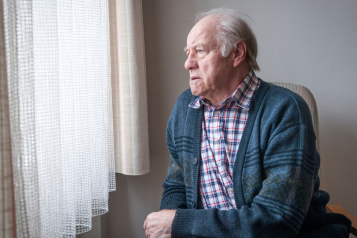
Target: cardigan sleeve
x=174 y=195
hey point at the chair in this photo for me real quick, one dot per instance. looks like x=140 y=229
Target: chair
x=310 y=100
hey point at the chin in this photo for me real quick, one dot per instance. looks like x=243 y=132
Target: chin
x=194 y=91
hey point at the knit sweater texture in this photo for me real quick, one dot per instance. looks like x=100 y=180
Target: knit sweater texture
x=275 y=176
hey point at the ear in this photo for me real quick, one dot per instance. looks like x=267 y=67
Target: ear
x=239 y=52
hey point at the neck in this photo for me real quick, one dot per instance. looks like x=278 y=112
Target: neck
x=229 y=88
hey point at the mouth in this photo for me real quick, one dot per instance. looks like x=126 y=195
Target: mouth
x=193 y=78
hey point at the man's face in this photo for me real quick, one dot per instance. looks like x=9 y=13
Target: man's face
x=209 y=70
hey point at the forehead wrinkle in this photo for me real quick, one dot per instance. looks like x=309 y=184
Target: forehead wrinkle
x=204 y=40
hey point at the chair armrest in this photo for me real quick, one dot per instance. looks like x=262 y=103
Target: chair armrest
x=340 y=210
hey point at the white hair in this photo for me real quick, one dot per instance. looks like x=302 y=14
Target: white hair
x=231 y=28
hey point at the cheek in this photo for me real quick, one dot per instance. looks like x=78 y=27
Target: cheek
x=212 y=71
x=221 y=69
x=207 y=71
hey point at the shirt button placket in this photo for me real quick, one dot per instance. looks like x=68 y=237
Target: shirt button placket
x=218 y=136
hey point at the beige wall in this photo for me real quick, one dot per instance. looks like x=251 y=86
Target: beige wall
x=312 y=43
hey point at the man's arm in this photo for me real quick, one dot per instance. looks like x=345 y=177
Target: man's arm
x=158 y=224
x=174 y=195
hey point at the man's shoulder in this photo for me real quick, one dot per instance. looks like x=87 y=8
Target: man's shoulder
x=184 y=100
x=181 y=106
x=280 y=96
x=283 y=102
x=285 y=94
x=186 y=97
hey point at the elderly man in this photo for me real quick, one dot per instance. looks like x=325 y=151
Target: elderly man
x=243 y=156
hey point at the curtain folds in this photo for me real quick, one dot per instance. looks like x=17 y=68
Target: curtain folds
x=7 y=228
x=73 y=111
x=60 y=108
x=130 y=111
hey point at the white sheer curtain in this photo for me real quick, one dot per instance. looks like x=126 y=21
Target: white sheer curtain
x=59 y=102
x=6 y=189
x=131 y=133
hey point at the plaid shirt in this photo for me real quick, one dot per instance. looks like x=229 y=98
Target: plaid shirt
x=222 y=129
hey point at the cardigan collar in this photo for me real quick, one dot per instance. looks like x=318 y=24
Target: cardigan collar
x=242 y=96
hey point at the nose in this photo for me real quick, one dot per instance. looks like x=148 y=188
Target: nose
x=191 y=62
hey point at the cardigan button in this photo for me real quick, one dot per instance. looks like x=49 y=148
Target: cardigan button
x=195 y=161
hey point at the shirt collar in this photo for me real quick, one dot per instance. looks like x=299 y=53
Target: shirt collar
x=242 y=95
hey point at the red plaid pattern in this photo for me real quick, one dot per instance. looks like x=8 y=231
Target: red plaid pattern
x=222 y=129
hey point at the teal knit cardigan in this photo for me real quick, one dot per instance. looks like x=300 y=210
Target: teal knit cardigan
x=275 y=176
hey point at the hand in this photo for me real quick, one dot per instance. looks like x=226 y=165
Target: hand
x=158 y=224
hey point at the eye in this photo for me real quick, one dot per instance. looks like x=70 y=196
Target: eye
x=200 y=51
